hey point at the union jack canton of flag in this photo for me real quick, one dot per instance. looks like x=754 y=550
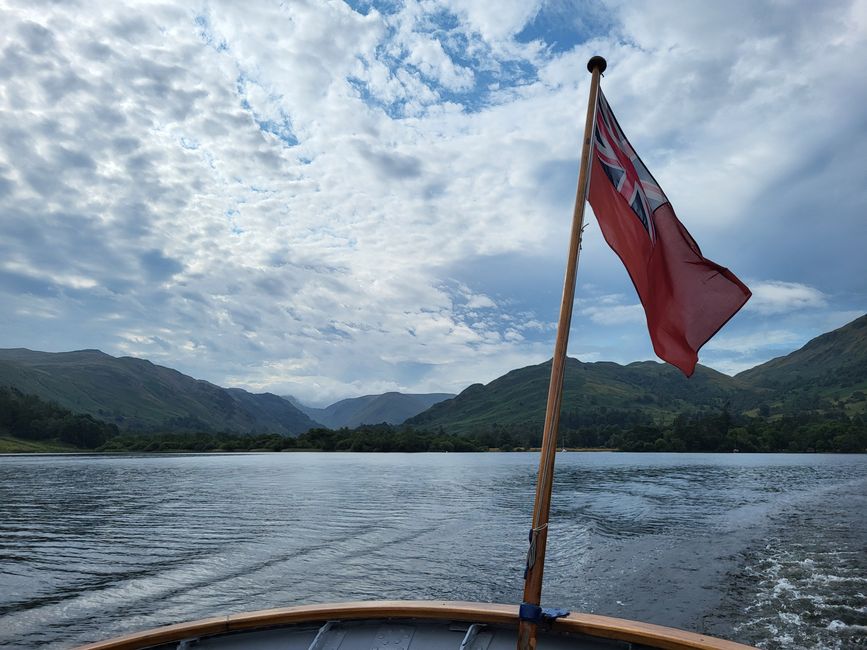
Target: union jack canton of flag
x=624 y=168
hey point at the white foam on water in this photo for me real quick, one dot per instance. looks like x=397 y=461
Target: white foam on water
x=839 y=626
x=785 y=585
x=791 y=619
x=835 y=579
x=800 y=593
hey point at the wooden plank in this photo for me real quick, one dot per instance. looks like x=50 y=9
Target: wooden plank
x=655 y=636
x=495 y=614
x=167 y=634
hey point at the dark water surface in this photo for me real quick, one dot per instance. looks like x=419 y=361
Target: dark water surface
x=763 y=549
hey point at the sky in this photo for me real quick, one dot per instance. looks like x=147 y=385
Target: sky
x=331 y=199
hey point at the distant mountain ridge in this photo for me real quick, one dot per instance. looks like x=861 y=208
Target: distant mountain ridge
x=832 y=359
x=593 y=393
x=136 y=394
x=828 y=374
x=392 y=408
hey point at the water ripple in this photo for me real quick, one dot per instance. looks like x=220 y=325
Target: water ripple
x=99 y=545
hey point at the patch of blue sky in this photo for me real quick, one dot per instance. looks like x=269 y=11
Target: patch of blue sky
x=207 y=35
x=492 y=312
x=385 y=7
x=282 y=127
x=471 y=52
x=536 y=289
x=483 y=93
x=231 y=214
x=466 y=50
x=561 y=25
x=394 y=109
x=441 y=19
x=241 y=90
x=491 y=83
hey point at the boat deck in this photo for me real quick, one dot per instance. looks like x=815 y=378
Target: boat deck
x=393 y=635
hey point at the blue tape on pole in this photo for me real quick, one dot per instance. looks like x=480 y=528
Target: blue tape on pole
x=530 y=612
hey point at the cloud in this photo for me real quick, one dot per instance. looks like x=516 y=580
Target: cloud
x=428 y=56
x=480 y=301
x=615 y=314
x=495 y=22
x=754 y=342
x=393 y=165
x=337 y=201
x=775 y=297
x=158 y=266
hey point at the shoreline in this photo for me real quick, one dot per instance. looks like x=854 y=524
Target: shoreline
x=219 y=452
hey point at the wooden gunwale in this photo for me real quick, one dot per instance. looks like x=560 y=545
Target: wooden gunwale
x=655 y=636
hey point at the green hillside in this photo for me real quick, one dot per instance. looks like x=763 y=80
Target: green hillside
x=593 y=394
x=392 y=408
x=29 y=423
x=828 y=372
x=138 y=395
x=11 y=445
x=825 y=381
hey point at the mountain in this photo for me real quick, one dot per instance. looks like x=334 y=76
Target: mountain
x=392 y=408
x=593 y=393
x=136 y=394
x=825 y=377
x=836 y=359
x=830 y=371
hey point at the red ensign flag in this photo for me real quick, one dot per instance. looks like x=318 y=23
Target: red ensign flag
x=686 y=297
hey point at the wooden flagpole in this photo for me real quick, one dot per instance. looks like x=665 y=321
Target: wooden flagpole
x=545 y=479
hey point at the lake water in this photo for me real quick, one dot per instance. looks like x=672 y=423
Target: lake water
x=764 y=549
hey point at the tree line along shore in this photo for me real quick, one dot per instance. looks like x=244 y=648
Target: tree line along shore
x=30 y=424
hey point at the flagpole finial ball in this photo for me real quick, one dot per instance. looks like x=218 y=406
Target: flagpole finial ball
x=597 y=62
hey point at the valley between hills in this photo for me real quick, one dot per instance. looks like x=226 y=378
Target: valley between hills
x=812 y=399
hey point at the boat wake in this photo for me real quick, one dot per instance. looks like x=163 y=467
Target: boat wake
x=806 y=585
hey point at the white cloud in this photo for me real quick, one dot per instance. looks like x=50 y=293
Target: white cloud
x=775 y=297
x=615 y=315
x=496 y=22
x=480 y=301
x=273 y=195
x=428 y=55
x=753 y=342
x=608 y=311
